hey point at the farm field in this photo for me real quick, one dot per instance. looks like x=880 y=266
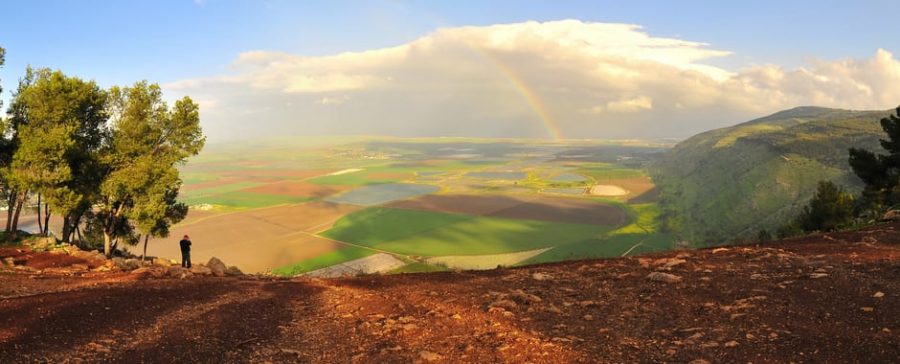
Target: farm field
x=292 y=206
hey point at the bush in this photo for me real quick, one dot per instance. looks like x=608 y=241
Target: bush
x=830 y=209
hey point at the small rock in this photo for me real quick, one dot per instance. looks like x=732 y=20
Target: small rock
x=521 y=297
x=867 y=309
x=429 y=356
x=878 y=294
x=456 y=317
x=541 y=276
x=664 y=277
x=505 y=304
x=719 y=250
x=588 y=318
x=731 y=344
x=818 y=275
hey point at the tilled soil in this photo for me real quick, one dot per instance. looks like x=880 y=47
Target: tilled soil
x=829 y=298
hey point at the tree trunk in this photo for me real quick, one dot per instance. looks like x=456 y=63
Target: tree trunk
x=66 y=230
x=20 y=201
x=10 y=206
x=39 y=216
x=46 y=220
x=107 y=244
x=146 y=236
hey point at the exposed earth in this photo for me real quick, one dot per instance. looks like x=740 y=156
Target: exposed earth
x=826 y=298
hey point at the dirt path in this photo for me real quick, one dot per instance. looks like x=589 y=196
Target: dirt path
x=829 y=298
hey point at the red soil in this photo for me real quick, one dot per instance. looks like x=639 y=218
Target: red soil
x=831 y=298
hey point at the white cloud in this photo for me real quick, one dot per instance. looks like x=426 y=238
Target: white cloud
x=332 y=100
x=625 y=105
x=592 y=79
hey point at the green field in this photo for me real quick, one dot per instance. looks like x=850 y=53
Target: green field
x=325 y=260
x=436 y=234
x=243 y=199
x=390 y=167
x=641 y=235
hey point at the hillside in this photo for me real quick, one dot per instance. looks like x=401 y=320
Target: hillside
x=733 y=182
x=827 y=298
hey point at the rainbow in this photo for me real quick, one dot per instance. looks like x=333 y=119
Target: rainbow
x=530 y=96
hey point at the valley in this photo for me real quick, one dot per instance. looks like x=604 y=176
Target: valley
x=294 y=206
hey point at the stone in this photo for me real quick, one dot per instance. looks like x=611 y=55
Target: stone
x=216 y=266
x=176 y=271
x=521 y=297
x=891 y=215
x=142 y=270
x=664 y=277
x=505 y=304
x=233 y=271
x=731 y=344
x=541 y=276
x=429 y=356
x=878 y=294
x=132 y=264
x=818 y=275
x=201 y=270
x=162 y=262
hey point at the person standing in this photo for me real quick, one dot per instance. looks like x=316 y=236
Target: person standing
x=185 y=251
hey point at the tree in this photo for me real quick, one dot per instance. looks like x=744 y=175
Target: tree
x=156 y=210
x=830 y=209
x=58 y=126
x=148 y=140
x=880 y=173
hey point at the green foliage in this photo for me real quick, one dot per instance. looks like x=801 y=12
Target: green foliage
x=830 y=209
x=148 y=141
x=58 y=126
x=880 y=173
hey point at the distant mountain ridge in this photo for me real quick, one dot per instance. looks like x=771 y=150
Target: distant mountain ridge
x=732 y=182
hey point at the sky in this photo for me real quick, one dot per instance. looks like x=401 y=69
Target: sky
x=542 y=69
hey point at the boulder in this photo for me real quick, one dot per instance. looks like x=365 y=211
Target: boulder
x=663 y=277
x=93 y=258
x=156 y=272
x=891 y=215
x=176 y=271
x=216 y=266
x=201 y=270
x=233 y=271
x=132 y=264
x=162 y=262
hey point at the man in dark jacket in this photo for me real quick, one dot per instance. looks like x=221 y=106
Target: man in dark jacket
x=185 y=252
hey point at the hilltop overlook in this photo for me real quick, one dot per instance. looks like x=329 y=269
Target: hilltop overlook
x=822 y=298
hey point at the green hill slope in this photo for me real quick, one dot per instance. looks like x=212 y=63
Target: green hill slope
x=732 y=182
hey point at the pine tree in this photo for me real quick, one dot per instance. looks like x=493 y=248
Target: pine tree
x=880 y=173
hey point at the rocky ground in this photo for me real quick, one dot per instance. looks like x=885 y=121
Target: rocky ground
x=827 y=298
